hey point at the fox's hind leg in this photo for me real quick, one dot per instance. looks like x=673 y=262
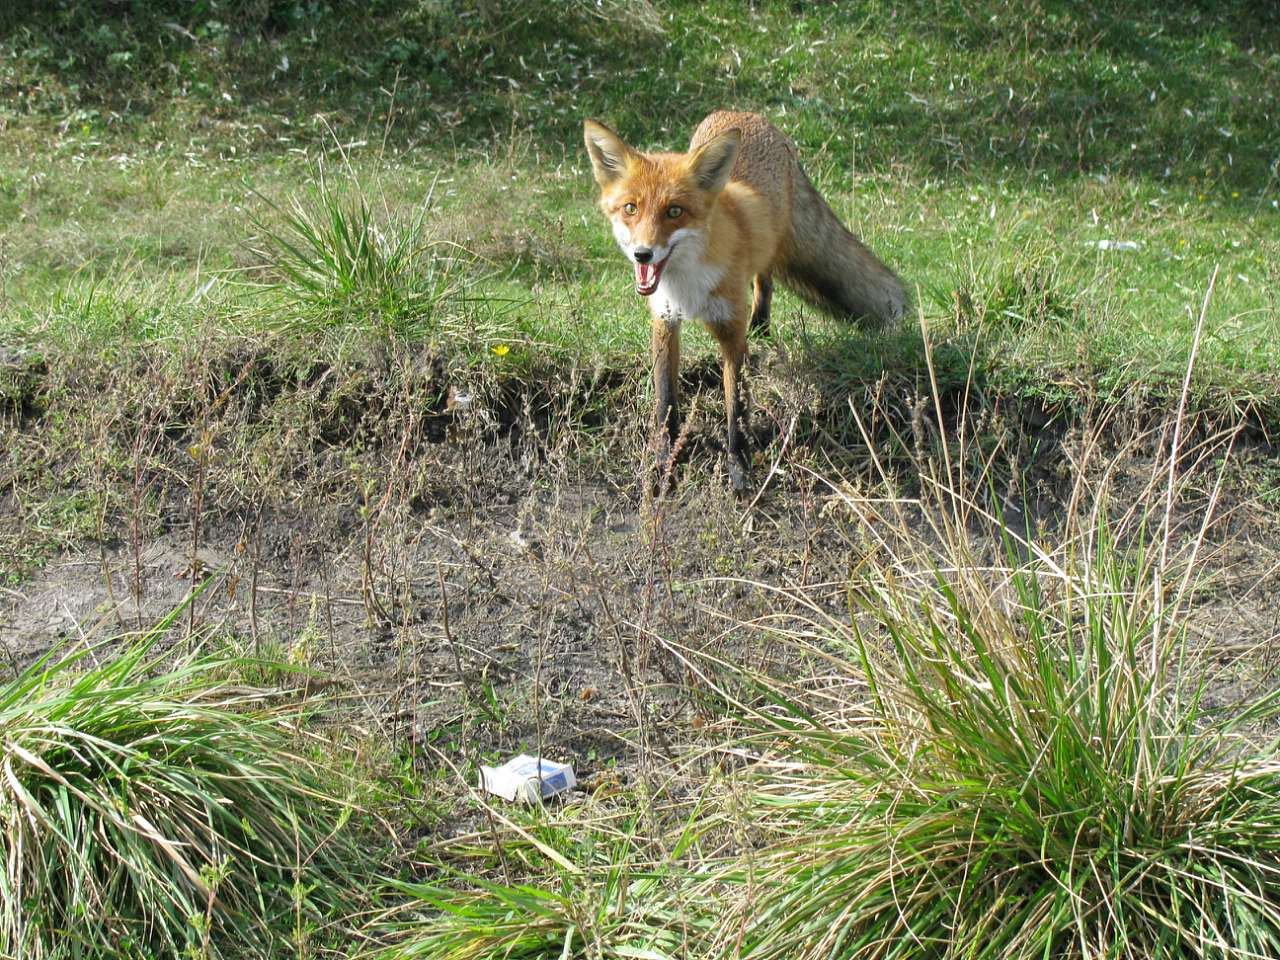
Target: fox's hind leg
x=733 y=346
x=760 y=306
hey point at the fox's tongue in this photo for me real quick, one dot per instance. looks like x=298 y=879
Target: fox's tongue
x=646 y=276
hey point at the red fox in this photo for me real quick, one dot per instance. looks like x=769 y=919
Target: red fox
x=702 y=226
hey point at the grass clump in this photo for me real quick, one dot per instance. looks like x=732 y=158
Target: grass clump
x=332 y=261
x=1025 y=293
x=151 y=809
x=1031 y=775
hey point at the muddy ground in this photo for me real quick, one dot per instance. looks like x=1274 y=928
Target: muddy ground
x=472 y=564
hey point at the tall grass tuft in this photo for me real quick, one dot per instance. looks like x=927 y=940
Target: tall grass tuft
x=336 y=262
x=1028 y=773
x=154 y=810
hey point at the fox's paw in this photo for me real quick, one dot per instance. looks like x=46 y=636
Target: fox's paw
x=739 y=474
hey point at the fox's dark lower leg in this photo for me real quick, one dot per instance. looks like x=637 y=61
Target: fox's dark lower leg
x=734 y=349
x=666 y=400
x=760 y=306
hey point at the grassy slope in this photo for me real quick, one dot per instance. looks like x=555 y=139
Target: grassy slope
x=984 y=152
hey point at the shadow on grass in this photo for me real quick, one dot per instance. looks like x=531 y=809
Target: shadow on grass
x=844 y=360
x=1180 y=89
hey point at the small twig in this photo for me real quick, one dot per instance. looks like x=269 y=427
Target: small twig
x=347 y=601
x=253 y=579
x=466 y=741
x=472 y=699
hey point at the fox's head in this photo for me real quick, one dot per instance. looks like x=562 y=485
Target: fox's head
x=659 y=203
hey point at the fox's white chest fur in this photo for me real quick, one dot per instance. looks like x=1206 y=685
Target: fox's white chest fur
x=684 y=292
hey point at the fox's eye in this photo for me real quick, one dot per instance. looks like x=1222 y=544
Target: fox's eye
x=675 y=212
x=629 y=209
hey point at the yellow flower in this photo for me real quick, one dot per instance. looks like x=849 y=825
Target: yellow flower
x=1235 y=194
x=502 y=349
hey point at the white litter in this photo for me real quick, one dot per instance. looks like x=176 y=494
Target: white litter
x=518 y=779
x=1117 y=245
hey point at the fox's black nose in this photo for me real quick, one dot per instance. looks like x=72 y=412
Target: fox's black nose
x=643 y=254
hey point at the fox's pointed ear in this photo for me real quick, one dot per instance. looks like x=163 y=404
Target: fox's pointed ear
x=712 y=163
x=609 y=155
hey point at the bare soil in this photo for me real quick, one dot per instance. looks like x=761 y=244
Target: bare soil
x=491 y=569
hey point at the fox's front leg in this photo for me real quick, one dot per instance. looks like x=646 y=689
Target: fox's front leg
x=733 y=346
x=666 y=383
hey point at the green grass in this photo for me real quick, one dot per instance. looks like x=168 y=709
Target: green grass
x=979 y=152
x=1028 y=772
x=150 y=805
x=589 y=886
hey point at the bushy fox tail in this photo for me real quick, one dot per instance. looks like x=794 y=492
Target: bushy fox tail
x=832 y=269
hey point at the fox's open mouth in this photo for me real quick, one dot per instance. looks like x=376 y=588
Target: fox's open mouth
x=648 y=274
